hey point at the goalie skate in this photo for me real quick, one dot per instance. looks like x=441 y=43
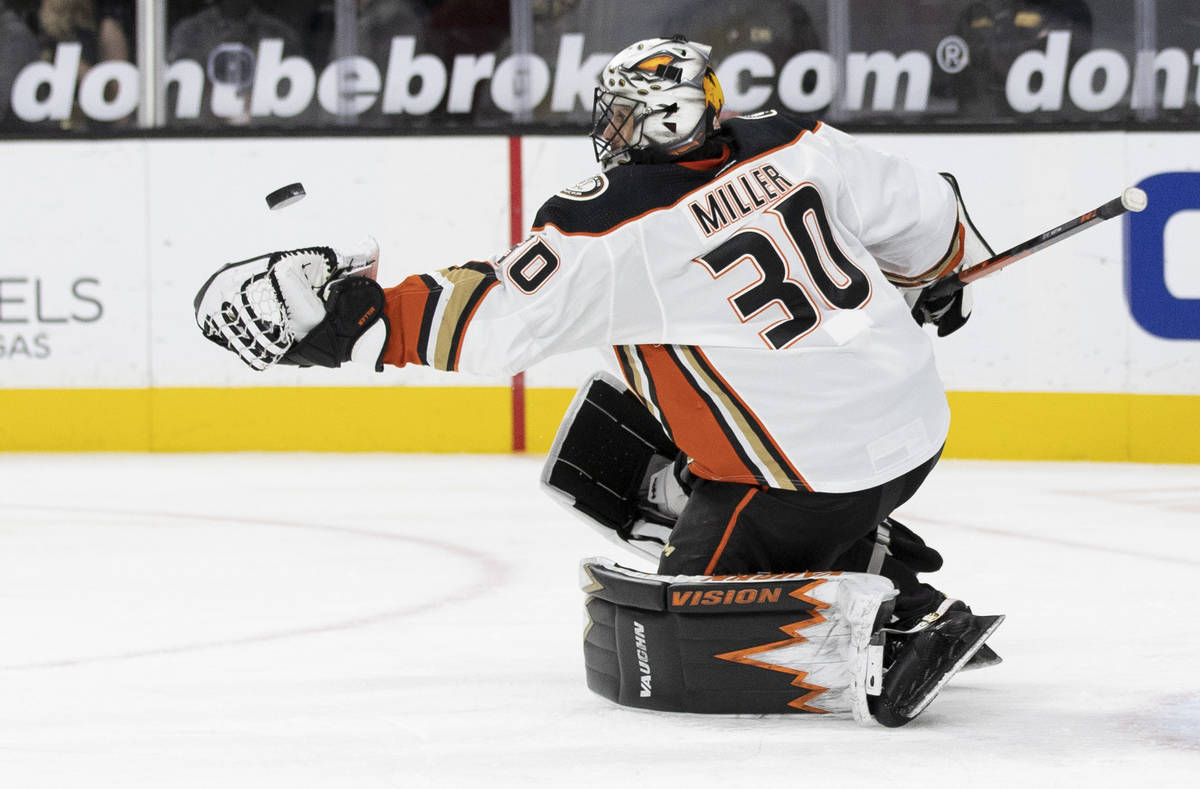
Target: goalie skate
x=927 y=660
x=983 y=658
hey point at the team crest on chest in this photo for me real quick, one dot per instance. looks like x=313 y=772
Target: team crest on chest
x=586 y=189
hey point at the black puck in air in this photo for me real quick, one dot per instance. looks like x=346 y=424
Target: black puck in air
x=285 y=196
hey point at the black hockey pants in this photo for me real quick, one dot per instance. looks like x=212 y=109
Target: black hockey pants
x=733 y=528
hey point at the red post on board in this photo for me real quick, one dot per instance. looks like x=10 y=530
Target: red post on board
x=516 y=232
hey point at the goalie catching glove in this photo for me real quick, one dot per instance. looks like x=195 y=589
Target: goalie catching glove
x=311 y=306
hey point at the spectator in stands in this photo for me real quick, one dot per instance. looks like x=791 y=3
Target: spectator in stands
x=69 y=22
x=114 y=29
x=378 y=22
x=777 y=28
x=223 y=38
x=780 y=28
x=381 y=20
x=996 y=33
x=18 y=47
x=467 y=27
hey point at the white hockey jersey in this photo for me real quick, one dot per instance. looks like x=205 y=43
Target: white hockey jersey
x=745 y=298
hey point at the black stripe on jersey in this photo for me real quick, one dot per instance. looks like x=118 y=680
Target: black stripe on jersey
x=750 y=418
x=651 y=392
x=489 y=281
x=757 y=134
x=622 y=352
x=486 y=269
x=732 y=435
x=633 y=190
x=431 y=303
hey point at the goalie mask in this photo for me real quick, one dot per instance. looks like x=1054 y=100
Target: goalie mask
x=658 y=99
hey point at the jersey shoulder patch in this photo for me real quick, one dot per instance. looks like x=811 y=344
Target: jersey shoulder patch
x=586 y=189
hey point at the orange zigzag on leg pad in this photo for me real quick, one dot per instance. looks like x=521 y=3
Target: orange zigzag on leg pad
x=746 y=656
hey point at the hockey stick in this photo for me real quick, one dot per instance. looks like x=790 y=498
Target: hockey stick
x=1132 y=199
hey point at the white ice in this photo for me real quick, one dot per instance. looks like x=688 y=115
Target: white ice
x=226 y=621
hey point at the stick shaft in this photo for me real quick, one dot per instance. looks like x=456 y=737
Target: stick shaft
x=959 y=280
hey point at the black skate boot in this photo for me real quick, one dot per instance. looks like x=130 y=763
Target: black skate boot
x=984 y=657
x=927 y=658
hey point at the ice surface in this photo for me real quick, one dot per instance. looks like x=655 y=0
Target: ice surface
x=226 y=621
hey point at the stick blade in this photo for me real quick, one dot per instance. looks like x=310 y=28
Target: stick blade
x=1134 y=199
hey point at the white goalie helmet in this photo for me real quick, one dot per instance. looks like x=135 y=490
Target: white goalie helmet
x=658 y=99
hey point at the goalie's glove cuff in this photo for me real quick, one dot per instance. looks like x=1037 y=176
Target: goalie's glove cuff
x=354 y=328
x=947 y=313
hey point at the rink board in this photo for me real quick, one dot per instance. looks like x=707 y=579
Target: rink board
x=99 y=350
x=996 y=425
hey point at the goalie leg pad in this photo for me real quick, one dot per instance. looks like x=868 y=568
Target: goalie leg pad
x=786 y=643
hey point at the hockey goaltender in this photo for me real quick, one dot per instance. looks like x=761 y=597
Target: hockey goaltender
x=757 y=279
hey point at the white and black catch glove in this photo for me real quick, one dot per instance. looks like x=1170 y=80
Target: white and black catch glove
x=950 y=312
x=311 y=306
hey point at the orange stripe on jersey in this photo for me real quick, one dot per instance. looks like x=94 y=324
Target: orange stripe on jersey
x=708 y=164
x=712 y=563
x=948 y=263
x=406 y=305
x=694 y=427
x=764 y=443
x=432 y=313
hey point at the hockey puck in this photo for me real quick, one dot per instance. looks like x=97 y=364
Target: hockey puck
x=285 y=196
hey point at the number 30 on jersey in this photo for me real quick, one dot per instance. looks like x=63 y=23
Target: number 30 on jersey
x=806 y=238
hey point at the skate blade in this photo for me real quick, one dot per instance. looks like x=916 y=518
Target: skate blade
x=985 y=657
x=920 y=706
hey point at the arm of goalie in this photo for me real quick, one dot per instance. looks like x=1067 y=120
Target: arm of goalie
x=311 y=306
x=950 y=313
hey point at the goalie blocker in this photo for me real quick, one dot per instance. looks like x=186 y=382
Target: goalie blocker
x=789 y=643
x=612 y=463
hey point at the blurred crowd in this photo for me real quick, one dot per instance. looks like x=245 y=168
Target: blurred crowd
x=31 y=30
x=223 y=36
